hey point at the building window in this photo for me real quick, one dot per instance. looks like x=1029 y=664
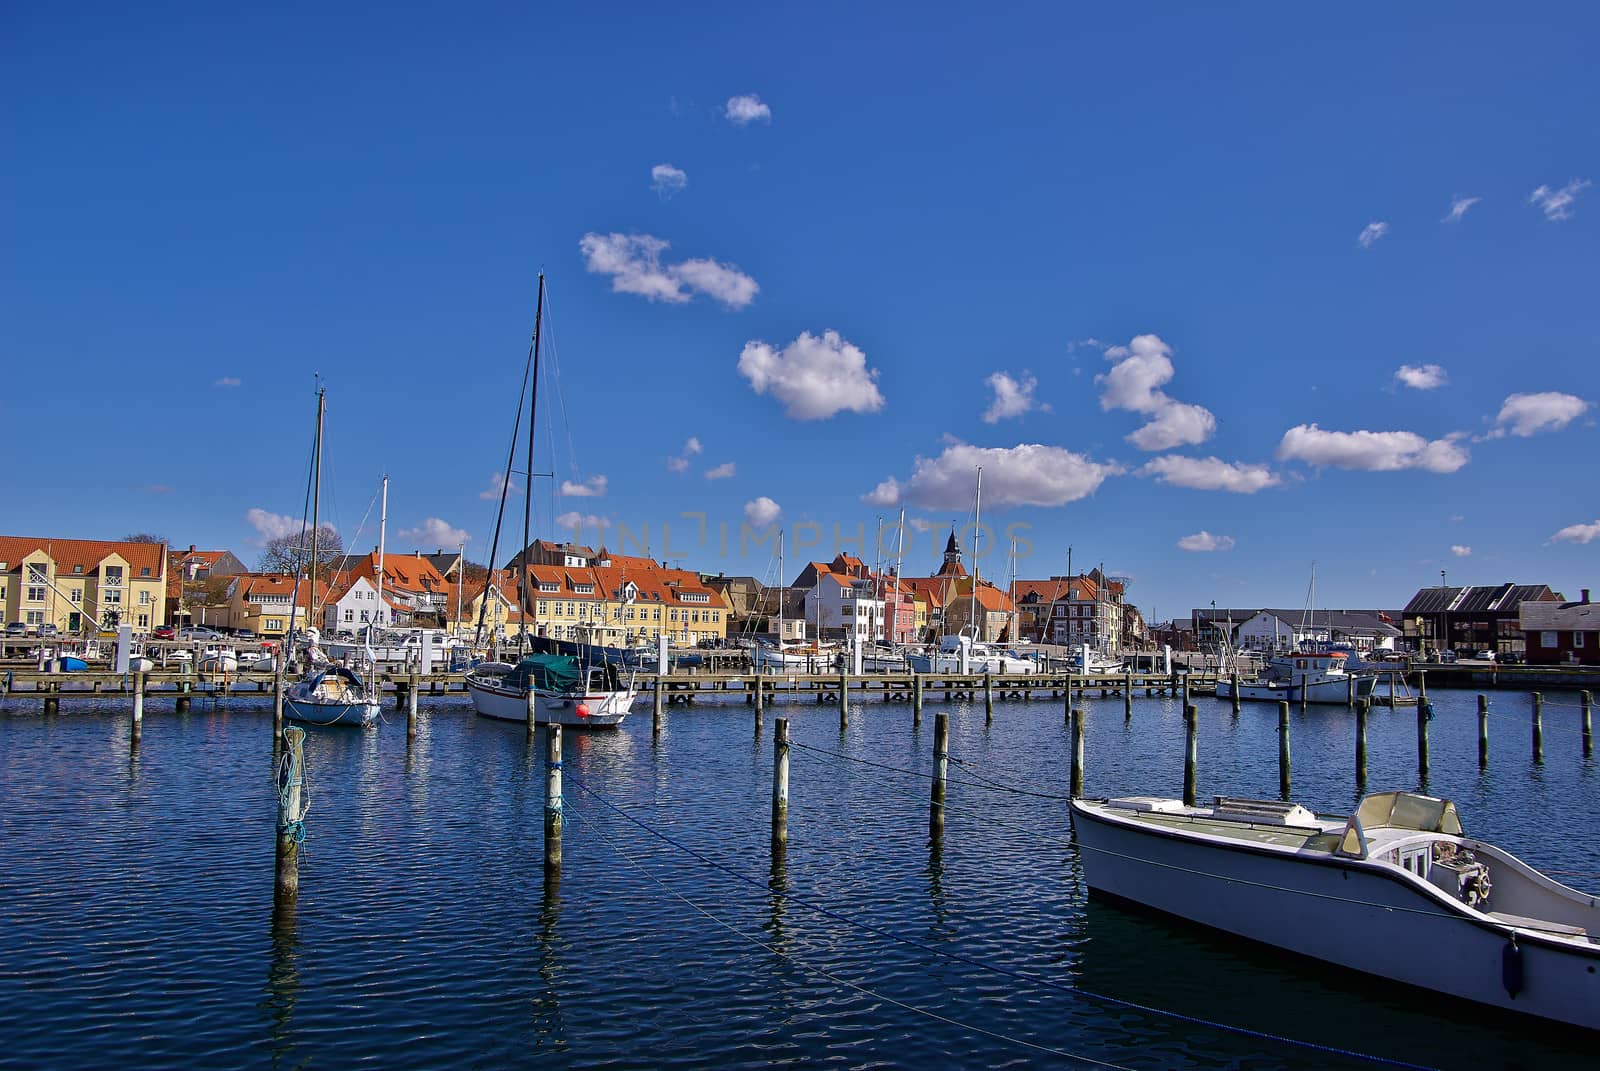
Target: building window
x=1548 y=640
x=1577 y=639
x=38 y=574
x=113 y=574
x=36 y=594
x=35 y=617
x=76 y=596
x=111 y=596
x=349 y=614
x=144 y=598
x=144 y=570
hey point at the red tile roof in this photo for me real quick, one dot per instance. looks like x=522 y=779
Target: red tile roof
x=87 y=553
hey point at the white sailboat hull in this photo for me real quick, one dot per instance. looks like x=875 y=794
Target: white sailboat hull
x=1325 y=690
x=590 y=710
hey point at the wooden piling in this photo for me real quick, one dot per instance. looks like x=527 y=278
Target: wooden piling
x=1350 y=692
x=1191 y=753
x=988 y=699
x=780 y=785
x=1127 y=696
x=277 y=702
x=533 y=710
x=761 y=702
x=553 y=817
x=138 y=709
x=1483 y=731
x=1538 y=727
x=1587 y=701
x=1076 y=774
x=1424 y=715
x=411 y=708
x=1283 y=749
x=941 y=773
x=291 y=831
x=844 y=699
x=1233 y=679
x=655 y=717
x=916 y=699
x=1362 y=707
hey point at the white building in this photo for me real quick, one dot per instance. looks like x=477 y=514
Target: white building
x=355 y=606
x=846 y=606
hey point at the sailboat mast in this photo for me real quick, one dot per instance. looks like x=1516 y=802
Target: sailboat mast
x=316 y=501
x=383 y=528
x=782 y=591
x=977 y=534
x=527 y=498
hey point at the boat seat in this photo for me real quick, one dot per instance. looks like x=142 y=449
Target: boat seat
x=1542 y=925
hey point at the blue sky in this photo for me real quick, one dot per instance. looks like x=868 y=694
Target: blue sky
x=811 y=242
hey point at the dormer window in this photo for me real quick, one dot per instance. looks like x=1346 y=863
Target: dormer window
x=549 y=586
x=77 y=570
x=583 y=589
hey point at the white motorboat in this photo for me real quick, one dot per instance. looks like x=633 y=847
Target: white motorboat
x=567 y=694
x=883 y=658
x=1395 y=890
x=793 y=658
x=332 y=696
x=961 y=654
x=220 y=660
x=1320 y=676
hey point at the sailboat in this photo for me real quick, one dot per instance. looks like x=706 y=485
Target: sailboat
x=332 y=694
x=782 y=657
x=560 y=689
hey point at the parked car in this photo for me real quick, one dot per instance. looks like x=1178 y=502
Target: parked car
x=16 y=628
x=248 y=634
x=199 y=633
x=1447 y=656
x=164 y=632
x=1511 y=658
x=1485 y=656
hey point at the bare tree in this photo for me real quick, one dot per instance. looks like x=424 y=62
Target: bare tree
x=292 y=553
x=144 y=537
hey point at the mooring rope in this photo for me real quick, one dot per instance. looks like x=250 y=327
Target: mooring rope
x=989 y=965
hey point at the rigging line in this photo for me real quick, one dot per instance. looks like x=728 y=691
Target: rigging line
x=505 y=486
x=1009 y=972
x=980 y=782
x=561 y=395
x=837 y=979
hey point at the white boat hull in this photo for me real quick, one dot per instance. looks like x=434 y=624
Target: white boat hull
x=312 y=712
x=1355 y=913
x=1325 y=690
x=599 y=710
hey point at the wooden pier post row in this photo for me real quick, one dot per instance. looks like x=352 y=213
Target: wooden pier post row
x=780 y=785
x=1362 y=707
x=138 y=709
x=553 y=816
x=1538 y=727
x=291 y=812
x=1283 y=750
x=941 y=773
x=1483 y=731
x=1191 y=753
x=1075 y=789
x=1588 y=725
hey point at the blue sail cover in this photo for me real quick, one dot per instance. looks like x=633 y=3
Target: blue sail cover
x=547 y=673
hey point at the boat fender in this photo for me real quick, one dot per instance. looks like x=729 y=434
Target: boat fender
x=583 y=710
x=1511 y=968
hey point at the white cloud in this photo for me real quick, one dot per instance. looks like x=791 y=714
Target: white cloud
x=226 y=381
x=1143 y=366
x=1012 y=397
x=1557 y=204
x=721 y=472
x=1371 y=451
x=1027 y=474
x=813 y=377
x=577 y=522
x=886 y=493
x=680 y=463
x=1458 y=208
x=1178 y=424
x=634 y=263
x=677 y=464
x=593 y=487
x=922 y=524
x=1205 y=541
x=1371 y=233
x=1422 y=376
x=1577 y=533
x=272 y=525
x=691 y=445
x=667 y=180
x=1460 y=551
x=1528 y=414
x=497 y=482
x=761 y=512
x=434 y=532
x=747 y=108
x=1210 y=474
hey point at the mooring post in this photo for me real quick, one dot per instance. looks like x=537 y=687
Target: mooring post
x=1305 y=692
x=1362 y=707
x=780 y=785
x=656 y=713
x=1483 y=731
x=1127 y=696
x=552 y=800
x=1588 y=731
x=532 y=709
x=844 y=699
x=1538 y=727
x=1350 y=692
x=1233 y=681
x=988 y=699
x=1424 y=715
x=291 y=831
x=411 y=706
x=1075 y=789
x=277 y=701
x=1191 y=753
x=941 y=772
x=761 y=702
x=1283 y=749
x=138 y=708
x=916 y=698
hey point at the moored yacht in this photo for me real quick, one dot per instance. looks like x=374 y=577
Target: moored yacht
x=1320 y=677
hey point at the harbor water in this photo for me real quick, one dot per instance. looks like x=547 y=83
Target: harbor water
x=136 y=891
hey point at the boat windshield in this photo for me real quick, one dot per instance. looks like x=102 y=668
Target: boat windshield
x=1398 y=810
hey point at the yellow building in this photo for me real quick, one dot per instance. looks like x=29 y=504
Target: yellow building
x=76 y=586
